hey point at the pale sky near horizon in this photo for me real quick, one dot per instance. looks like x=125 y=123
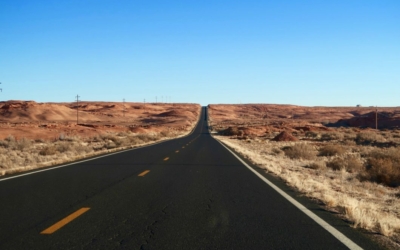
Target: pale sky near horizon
x=313 y=53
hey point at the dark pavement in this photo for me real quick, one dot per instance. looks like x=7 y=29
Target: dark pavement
x=196 y=195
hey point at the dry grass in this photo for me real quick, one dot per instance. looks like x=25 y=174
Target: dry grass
x=334 y=180
x=300 y=151
x=331 y=150
x=366 y=138
x=22 y=155
x=383 y=166
x=349 y=163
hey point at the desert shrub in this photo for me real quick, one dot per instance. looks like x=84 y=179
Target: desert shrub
x=107 y=137
x=9 y=142
x=63 y=147
x=383 y=166
x=384 y=171
x=10 y=138
x=331 y=150
x=4 y=143
x=368 y=138
x=147 y=137
x=165 y=133
x=276 y=151
x=300 y=151
x=22 y=144
x=122 y=134
x=311 y=134
x=96 y=139
x=330 y=136
x=113 y=141
x=349 y=142
x=350 y=163
x=72 y=138
x=133 y=140
x=316 y=165
x=232 y=131
x=396 y=133
x=48 y=150
x=120 y=142
x=82 y=149
x=349 y=135
x=110 y=145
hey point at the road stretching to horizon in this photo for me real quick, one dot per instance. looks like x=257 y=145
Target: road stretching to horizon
x=187 y=193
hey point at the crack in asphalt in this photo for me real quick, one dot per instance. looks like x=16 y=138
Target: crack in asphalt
x=148 y=233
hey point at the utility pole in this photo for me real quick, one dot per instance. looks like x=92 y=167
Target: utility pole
x=376 y=118
x=1 y=90
x=123 y=110
x=77 y=107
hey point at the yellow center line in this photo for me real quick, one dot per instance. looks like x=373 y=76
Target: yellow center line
x=166 y=159
x=177 y=151
x=65 y=221
x=144 y=173
x=183 y=147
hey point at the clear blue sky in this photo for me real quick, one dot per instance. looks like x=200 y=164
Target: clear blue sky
x=328 y=53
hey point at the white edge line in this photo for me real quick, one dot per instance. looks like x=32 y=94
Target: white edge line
x=338 y=235
x=102 y=156
x=341 y=237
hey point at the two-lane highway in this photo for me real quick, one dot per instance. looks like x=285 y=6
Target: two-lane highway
x=188 y=193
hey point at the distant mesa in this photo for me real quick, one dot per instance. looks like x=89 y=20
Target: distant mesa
x=368 y=120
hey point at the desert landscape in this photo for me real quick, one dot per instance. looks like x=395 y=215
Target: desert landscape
x=333 y=155
x=35 y=134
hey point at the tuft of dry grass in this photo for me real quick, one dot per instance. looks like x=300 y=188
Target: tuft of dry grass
x=349 y=163
x=331 y=150
x=48 y=150
x=311 y=134
x=332 y=136
x=366 y=138
x=300 y=151
x=316 y=165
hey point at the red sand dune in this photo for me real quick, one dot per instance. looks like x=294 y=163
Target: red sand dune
x=276 y=118
x=34 y=120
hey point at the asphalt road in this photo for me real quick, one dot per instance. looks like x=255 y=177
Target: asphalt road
x=188 y=193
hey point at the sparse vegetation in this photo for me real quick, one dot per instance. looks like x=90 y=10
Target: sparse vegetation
x=331 y=150
x=331 y=136
x=349 y=163
x=24 y=154
x=354 y=172
x=355 y=179
x=368 y=138
x=300 y=151
x=383 y=166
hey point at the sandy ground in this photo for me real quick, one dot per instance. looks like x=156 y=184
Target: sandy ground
x=32 y=120
x=263 y=118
